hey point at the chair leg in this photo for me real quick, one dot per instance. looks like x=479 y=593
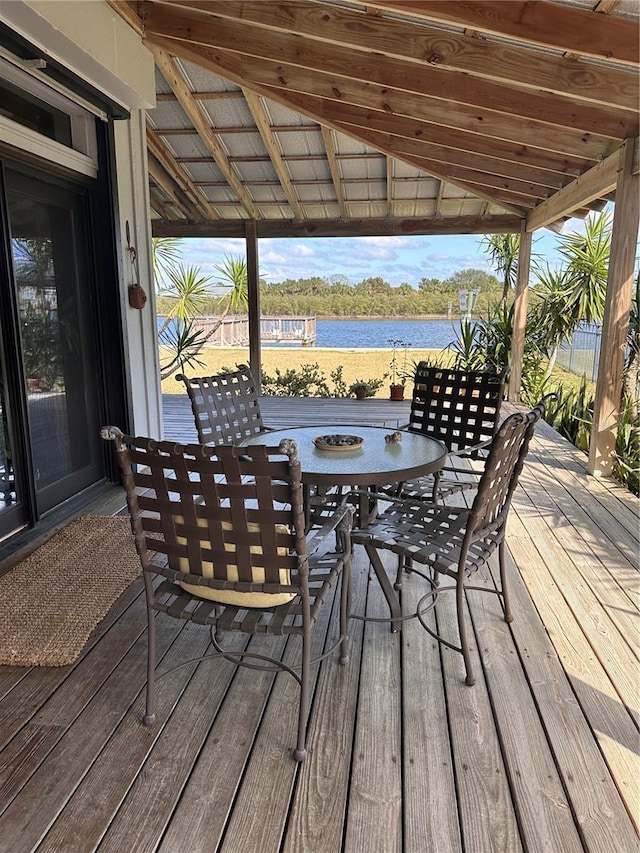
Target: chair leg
x=385 y=583
x=508 y=615
x=305 y=688
x=150 y=717
x=345 y=610
x=462 y=629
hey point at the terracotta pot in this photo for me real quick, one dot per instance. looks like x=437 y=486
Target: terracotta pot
x=396 y=392
x=137 y=296
x=361 y=394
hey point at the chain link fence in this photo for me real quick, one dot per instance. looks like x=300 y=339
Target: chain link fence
x=580 y=355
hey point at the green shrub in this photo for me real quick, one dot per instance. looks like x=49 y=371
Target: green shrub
x=627 y=449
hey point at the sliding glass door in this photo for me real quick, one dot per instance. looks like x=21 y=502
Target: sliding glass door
x=56 y=416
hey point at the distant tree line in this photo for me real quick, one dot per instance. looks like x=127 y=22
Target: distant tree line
x=336 y=296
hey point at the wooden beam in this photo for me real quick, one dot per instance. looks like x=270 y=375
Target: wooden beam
x=253 y=297
x=177 y=82
x=337 y=33
x=425 y=79
x=207 y=59
x=564 y=28
x=437 y=210
x=162 y=154
x=225 y=94
x=520 y=314
x=162 y=180
x=497 y=224
x=552 y=147
x=448 y=145
x=470 y=173
x=595 y=183
x=334 y=168
x=128 y=14
x=389 y=186
x=163 y=210
x=256 y=107
x=620 y=282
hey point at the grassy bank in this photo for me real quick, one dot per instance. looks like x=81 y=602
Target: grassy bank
x=356 y=363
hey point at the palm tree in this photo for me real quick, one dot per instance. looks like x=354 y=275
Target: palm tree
x=165 y=252
x=587 y=257
x=504 y=250
x=233 y=273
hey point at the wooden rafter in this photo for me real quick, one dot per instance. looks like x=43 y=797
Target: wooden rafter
x=234 y=94
x=159 y=206
x=591 y=185
x=254 y=103
x=567 y=29
x=461 y=149
x=171 y=166
x=208 y=58
x=335 y=33
x=334 y=169
x=442 y=113
x=164 y=181
x=437 y=211
x=206 y=133
x=390 y=208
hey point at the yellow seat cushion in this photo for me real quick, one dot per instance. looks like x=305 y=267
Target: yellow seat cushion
x=232 y=596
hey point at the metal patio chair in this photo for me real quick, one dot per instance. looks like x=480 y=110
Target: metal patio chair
x=225 y=406
x=454 y=541
x=460 y=408
x=224 y=527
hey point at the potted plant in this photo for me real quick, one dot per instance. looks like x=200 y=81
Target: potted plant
x=398 y=371
x=362 y=388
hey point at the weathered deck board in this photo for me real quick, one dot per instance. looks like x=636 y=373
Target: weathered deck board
x=541 y=754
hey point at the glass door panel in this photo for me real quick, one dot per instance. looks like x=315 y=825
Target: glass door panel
x=57 y=332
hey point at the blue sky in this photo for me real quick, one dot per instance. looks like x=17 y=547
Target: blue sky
x=396 y=259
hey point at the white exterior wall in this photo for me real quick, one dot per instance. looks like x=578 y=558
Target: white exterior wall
x=141 y=349
x=91 y=39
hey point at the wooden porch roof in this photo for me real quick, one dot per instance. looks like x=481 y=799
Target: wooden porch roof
x=540 y=755
x=405 y=116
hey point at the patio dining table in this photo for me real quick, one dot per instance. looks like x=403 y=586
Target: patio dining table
x=374 y=462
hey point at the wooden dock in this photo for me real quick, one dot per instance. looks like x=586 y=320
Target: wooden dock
x=234 y=331
x=541 y=755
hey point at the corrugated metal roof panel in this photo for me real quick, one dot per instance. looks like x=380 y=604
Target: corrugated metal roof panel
x=187 y=146
x=374 y=209
x=309 y=170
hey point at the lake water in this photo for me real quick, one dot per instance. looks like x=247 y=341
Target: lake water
x=372 y=334
x=367 y=334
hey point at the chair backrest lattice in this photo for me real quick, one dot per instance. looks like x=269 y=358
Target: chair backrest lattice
x=225 y=518
x=459 y=407
x=225 y=406
x=502 y=470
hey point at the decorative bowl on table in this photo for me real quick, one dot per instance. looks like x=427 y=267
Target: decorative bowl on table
x=338 y=441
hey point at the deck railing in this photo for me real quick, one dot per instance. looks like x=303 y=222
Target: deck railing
x=234 y=331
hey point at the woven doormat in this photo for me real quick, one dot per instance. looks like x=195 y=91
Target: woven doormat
x=52 y=600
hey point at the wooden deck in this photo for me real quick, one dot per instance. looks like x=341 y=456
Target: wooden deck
x=540 y=755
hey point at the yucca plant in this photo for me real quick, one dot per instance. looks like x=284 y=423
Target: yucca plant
x=573 y=415
x=627 y=450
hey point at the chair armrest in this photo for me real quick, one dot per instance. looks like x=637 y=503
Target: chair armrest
x=452 y=468
x=472 y=448
x=341 y=517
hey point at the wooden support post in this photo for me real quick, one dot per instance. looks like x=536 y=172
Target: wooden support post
x=253 y=292
x=520 y=314
x=606 y=412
